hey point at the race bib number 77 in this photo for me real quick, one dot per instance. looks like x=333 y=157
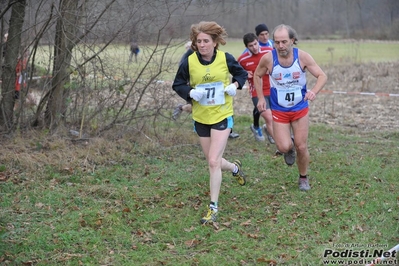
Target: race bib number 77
x=214 y=93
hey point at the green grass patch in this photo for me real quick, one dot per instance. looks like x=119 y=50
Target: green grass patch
x=337 y=52
x=161 y=61
x=344 y=52
x=140 y=203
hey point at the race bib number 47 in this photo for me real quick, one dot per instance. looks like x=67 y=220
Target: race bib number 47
x=289 y=97
x=214 y=93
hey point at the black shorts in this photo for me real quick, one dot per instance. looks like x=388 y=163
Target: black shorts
x=204 y=130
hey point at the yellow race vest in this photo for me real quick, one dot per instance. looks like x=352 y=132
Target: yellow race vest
x=213 y=78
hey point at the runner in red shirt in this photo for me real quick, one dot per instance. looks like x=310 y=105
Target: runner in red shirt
x=249 y=60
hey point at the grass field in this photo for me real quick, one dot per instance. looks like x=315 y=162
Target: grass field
x=324 y=52
x=138 y=202
x=137 y=199
x=343 y=52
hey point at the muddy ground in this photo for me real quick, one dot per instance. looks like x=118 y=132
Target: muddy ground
x=358 y=111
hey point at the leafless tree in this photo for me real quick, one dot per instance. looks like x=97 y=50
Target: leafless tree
x=74 y=45
x=13 y=44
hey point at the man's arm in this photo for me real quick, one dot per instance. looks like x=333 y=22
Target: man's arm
x=307 y=62
x=261 y=70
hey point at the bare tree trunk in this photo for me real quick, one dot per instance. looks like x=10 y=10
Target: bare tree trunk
x=4 y=8
x=10 y=61
x=347 y=24
x=360 y=6
x=65 y=37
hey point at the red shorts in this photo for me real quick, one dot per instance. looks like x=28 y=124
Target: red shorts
x=288 y=117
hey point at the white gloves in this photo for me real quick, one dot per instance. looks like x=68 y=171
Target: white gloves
x=197 y=94
x=231 y=89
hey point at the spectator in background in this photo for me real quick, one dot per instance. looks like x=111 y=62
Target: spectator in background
x=204 y=79
x=5 y=38
x=134 y=51
x=21 y=76
x=21 y=73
